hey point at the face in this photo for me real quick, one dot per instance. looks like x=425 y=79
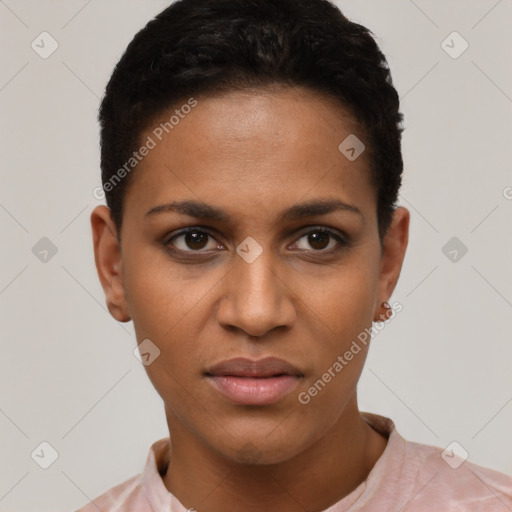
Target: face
x=248 y=234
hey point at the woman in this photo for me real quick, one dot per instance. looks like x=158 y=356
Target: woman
x=251 y=162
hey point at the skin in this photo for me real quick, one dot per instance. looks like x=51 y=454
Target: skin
x=254 y=154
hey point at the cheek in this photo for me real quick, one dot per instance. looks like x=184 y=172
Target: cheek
x=342 y=301
x=342 y=307
x=166 y=309
x=338 y=357
x=162 y=296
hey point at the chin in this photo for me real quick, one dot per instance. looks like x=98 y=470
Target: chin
x=257 y=449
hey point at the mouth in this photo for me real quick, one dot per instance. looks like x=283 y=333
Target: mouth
x=247 y=382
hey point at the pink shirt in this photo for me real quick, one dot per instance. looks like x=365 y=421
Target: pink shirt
x=408 y=477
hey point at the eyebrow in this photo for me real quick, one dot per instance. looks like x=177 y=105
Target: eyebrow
x=299 y=211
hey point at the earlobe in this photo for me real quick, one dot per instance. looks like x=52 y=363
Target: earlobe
x=393 y=253
x=107 y=256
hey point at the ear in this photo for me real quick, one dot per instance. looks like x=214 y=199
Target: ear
x=107 y=256
x=393 y=253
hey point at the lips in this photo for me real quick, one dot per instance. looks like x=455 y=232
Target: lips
x=241 y=367
x=247 y=382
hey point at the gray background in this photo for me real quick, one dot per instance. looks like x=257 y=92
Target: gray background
x=441 y=370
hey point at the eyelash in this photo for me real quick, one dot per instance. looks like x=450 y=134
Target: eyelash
x=342 y=241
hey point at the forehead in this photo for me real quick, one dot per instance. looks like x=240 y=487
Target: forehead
x=248 y=148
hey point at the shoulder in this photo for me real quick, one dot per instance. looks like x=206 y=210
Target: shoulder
x=445 y=478
x=142 y=492
x=126 y=494
x=415 y=477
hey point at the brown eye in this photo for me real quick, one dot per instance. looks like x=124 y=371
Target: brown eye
x=318 y=240
x=321 y=240
x=192 y=240
x=196 y=240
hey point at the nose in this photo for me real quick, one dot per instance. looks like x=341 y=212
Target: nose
x=256 y=298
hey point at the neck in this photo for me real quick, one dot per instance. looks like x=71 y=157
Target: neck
x=316 y=478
